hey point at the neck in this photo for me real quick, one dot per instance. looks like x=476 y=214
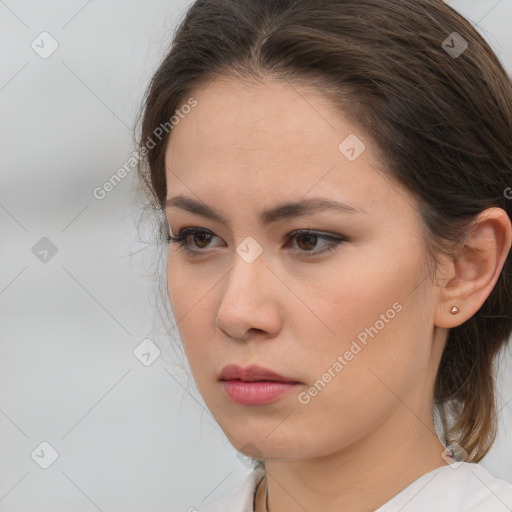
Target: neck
x=360 y=478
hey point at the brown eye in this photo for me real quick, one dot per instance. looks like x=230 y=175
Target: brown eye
x=310 y=241
x=205 y=239
x=201 y=240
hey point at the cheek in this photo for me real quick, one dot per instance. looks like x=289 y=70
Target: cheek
x=357 y=297
x=187 y=297
x=379 y=354
x=374 y=317
x=190 y=292
x=188 y=288
x=355 y=386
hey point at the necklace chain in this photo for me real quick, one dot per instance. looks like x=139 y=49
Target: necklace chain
x=266 y=494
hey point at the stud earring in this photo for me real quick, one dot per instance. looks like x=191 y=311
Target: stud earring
x=454 y=310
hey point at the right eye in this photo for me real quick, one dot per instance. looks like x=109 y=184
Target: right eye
x=183 y=236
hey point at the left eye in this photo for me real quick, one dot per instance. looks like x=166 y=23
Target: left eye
x=309 y=240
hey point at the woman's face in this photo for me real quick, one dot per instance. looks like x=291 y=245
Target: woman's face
x=351 y=326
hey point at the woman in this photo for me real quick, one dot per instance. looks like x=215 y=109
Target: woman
x=334 y=177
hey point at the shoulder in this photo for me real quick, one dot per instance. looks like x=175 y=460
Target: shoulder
x=241 y=499
x=465 y=487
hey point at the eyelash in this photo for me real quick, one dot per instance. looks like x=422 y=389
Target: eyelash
x=184 y=234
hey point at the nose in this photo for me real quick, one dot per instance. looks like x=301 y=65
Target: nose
x=250 y=300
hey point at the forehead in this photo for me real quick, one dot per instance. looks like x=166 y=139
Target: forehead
x=247 y=146
x=250 y=120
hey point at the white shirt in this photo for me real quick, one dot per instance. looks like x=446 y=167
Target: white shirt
x=459 y=487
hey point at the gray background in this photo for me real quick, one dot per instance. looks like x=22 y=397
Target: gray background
x=129 y=437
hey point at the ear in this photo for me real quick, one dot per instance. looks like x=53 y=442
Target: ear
x=469 y=277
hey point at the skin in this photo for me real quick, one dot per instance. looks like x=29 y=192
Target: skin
x=369 y=432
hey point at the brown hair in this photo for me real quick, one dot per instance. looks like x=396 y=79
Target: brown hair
x=442 y=122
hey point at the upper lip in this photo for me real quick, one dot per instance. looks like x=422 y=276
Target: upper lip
x=250 y=373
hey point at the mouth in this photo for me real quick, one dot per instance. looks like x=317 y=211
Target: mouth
x=254 y=385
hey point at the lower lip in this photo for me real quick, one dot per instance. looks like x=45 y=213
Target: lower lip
x=256 y=393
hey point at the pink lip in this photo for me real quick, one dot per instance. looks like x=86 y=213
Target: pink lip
x=250 y=374
x=256 y=393
x=254 y=385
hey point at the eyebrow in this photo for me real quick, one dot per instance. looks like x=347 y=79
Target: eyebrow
x=282 y=211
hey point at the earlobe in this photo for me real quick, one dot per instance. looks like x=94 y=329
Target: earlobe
x=474 y=271
x=451 y=316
